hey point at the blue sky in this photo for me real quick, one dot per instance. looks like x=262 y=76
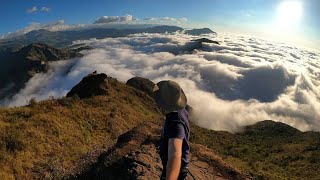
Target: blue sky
x=252 y=17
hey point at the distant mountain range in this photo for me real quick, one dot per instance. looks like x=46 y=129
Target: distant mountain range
x=60 y=39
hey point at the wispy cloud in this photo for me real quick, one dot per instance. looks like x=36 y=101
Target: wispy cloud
x=32 y=10
x=45 y=9
x=149 y=19
x=35 y=9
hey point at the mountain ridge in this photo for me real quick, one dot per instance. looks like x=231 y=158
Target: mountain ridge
x=45 y=53
x=26 y=62
x=73 y=135
x=59 y=39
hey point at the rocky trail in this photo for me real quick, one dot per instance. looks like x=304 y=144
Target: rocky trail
x=134 y=156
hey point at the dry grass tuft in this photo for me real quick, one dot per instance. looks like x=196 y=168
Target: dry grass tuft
x=57 y=137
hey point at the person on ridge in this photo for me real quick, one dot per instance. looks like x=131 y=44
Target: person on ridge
x=174 y=148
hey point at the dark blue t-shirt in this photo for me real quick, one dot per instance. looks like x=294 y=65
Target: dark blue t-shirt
x=176 y=126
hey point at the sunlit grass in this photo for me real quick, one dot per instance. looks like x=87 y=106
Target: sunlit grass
x=51 y=139
x=264 y=157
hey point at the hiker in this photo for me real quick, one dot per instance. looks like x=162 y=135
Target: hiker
x=174 y=148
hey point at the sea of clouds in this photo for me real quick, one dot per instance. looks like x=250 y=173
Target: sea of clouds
x=239 y=82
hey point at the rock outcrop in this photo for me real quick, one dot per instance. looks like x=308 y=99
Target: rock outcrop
x=92 y=85
x=142 y=84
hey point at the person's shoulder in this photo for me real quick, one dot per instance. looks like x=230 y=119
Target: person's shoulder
x=178 y=116
x=172 y=116
x=183 y=113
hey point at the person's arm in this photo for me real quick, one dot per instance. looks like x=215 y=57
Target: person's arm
x=174 y=158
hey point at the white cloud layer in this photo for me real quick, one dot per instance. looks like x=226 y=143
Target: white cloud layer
x=242 y=81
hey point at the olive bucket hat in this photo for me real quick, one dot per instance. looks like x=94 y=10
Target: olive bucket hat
x=169 y=96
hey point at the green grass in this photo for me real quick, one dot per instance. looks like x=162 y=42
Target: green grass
x=50 y=139
x=265 y=156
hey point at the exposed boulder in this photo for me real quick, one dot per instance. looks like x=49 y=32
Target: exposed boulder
x=92 y=85
x=142 y=84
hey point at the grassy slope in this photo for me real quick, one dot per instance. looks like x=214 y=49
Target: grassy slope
x=55 y=138
x=266 y=156
x=48 y=139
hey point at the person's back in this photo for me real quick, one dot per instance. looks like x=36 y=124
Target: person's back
x=174 y=148
x=176 y=126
